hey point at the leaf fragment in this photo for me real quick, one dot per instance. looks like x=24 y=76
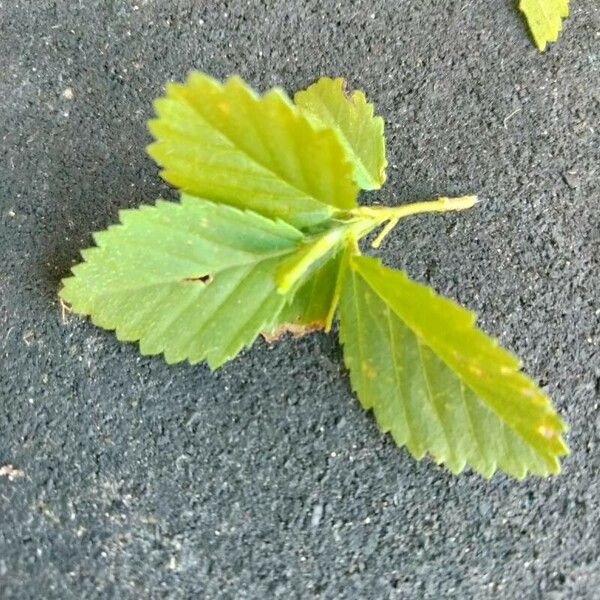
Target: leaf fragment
x=437 y=383
x=313 y=306
x=193 y=280
x=222 y=142
x=544 y=18
x=350 y=115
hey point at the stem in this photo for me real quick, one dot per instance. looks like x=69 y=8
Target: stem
x=383 y=233
x=381 y=214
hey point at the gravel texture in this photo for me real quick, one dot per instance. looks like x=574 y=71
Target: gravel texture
x=132 y=479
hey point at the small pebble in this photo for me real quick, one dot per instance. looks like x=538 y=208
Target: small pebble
x=572 y=179
x=317 y=514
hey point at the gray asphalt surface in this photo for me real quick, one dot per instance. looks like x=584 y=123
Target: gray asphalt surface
x=265 y=479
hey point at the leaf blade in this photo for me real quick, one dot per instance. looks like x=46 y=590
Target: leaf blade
x=310 y=255
x=314 y=304
x=352 y=117
x=544 y=18
x=224 y=143
x=440 y=406
x=201 y=294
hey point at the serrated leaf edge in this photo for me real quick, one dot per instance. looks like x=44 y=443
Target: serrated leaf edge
x=355 y=160
x=553 y=466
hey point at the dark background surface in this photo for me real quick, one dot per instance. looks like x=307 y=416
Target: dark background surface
x=265 y=479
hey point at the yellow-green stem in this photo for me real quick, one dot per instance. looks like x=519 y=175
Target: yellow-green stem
x=380 y=214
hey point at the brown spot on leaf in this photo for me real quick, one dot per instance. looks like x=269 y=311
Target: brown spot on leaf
x=546 y=431
x=296 y=329
x=205 y=279
x=475 y=369
x=347 y=93
x=368 y=371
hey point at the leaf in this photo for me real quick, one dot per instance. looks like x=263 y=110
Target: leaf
x=439 y=384
x=194 y=280
x=314 y=304
x=310 y=307
x=224 y=143
x=544 y=18
x=351 y=116
x=310 y=254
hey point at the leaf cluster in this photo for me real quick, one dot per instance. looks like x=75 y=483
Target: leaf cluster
x=265 y=240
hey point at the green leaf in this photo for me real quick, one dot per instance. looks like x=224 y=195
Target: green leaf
x=544 y=18
x=224 y=143
x=437 y=383
x=351 y=116
x=311 y=254
x=314 y=304
x=194 y=280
